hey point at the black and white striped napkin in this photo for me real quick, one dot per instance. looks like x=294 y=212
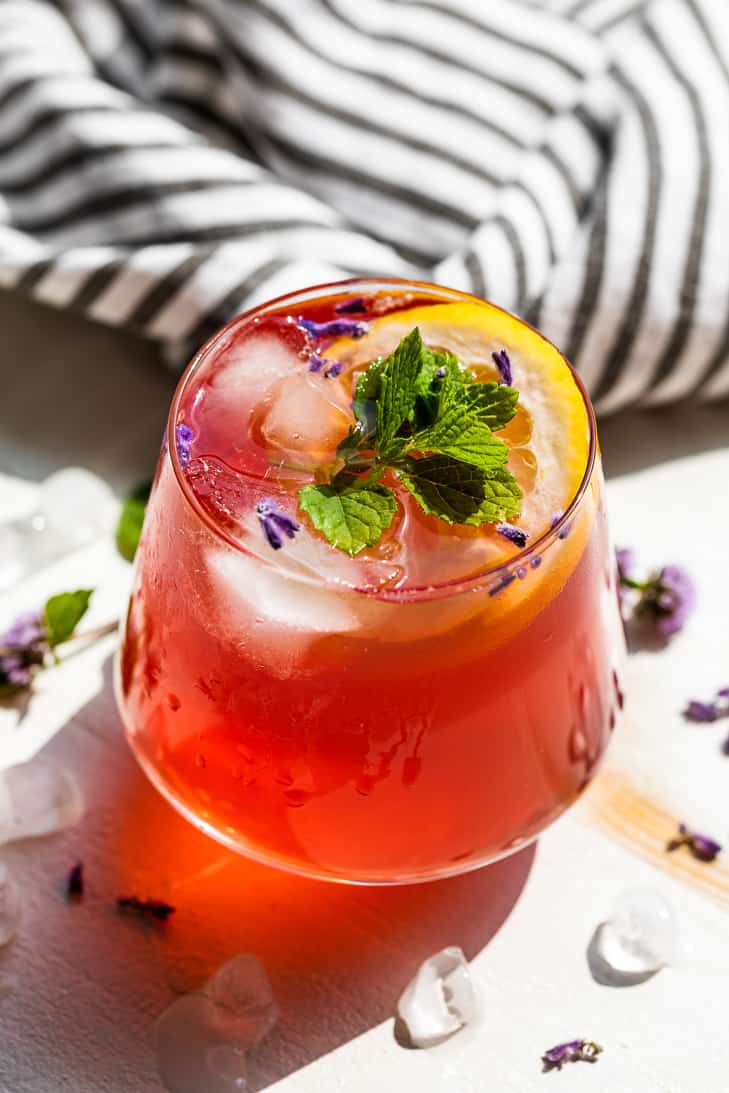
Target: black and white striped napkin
x=166 y=163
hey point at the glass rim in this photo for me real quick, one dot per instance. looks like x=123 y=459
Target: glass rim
x=453 y=586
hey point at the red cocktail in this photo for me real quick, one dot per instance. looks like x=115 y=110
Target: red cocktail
x=360 y=686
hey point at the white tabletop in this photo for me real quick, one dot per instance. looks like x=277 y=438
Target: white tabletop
x=80 y=987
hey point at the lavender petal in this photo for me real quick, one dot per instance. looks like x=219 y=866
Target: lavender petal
x=501 y=359
x=333 y=328
x=275 y=523
x=515 y=535
x=702 y=711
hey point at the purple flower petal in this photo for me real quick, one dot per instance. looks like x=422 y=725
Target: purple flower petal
x=701 y=846
x=184 y=437
x=501 y=584
x=702 y=711
x=275 y=523
x=333 y=370
x=674 y=599
x=515 y=535
x=723 y=692
x=440 y=372
x=556 y=517
x=27 y=642
x=625 y=557
x=704 y=848
x=355 y=306
x=333 y=328
x=316 y=363
x=562 y=1052
x=573 y=1051
x=501 y=359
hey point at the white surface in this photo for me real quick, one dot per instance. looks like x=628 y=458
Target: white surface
x=81 y=987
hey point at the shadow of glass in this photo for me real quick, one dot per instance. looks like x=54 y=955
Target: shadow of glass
x=603 y=972
x=338 y=956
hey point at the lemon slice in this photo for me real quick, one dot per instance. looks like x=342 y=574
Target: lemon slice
x=548 y=438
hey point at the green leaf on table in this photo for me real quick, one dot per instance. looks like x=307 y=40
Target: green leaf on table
x=131 y=520
x=63 y=614
x=350 y=512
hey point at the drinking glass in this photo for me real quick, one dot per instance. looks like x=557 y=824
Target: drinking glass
x=328 y=715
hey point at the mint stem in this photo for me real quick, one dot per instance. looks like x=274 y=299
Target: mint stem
x=94 y=634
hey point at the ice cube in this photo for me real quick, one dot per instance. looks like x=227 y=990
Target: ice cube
x=252 y=366
x=9 y=906
x=251 y=594
x=203 y=1039
x=440 y=1000
x=37 y=798
x=641 y=936
x=307 y=418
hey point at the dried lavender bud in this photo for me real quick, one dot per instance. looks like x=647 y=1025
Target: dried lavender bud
x=333 y=328
x=501 y=359
x=26 y=646
x=184 y=437
x=275 y=522
x=146 y=908
x=701 y=846
x=573 y=1051
x=515 y=535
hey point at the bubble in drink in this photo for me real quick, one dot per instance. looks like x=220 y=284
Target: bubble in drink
x=37 y=798
x=440 y=1000
x=641 y=935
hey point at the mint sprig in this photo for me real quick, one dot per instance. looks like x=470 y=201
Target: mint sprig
x=420 y=414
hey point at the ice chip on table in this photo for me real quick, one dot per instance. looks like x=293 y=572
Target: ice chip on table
x=9 y=906
x=37 y=798
x=308 y=416
x=242 y=992
x=203 y=1039
x=641 y=936
x=74 y=507
x=440 y=1000
x=77 y=504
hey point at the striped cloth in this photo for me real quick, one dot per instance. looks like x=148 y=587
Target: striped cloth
x=166 y=163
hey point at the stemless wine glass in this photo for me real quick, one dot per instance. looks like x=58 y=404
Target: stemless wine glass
x=324 y=714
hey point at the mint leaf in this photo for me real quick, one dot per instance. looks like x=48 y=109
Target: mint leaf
x=349 y=512
x=398 y=388
x=368 y=385
x=63 y=614
x=495 y=403
x=461 y=493
x=445 y=487
x=502 y=498
x=460 y=433
x=131 y=519
x=429 y=384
